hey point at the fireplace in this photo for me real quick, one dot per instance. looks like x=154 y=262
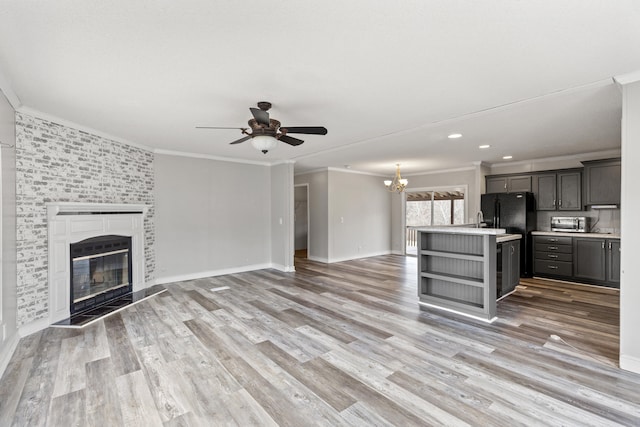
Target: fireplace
x=101 y=271
x=96 y=253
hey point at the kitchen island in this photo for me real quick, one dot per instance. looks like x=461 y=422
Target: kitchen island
x=457 y=269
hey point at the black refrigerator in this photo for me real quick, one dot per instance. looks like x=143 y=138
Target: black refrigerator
x=516 y=212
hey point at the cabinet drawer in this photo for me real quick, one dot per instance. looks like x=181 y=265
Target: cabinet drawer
x=559 y=240
x=554 y=256
x=551 y=247
x=557 y=268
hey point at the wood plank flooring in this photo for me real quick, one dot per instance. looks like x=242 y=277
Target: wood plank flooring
x=339 y=344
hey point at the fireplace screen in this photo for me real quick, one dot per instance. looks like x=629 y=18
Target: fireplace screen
x=100 y=271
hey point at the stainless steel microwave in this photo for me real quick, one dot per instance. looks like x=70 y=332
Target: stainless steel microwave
x=570 y=224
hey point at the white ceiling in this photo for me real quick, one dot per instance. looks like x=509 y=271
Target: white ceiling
x=388 y=79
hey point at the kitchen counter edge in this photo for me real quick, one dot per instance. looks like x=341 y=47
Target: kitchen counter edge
x=564 y=234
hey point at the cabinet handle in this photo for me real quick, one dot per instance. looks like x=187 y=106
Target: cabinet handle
x=513 y=249
x=553 y=248
x=560 y=203
x=553 y=267
x=602 y=245
x=553 y=240
x=554 y=203
x=552 y=256
x=609 y=245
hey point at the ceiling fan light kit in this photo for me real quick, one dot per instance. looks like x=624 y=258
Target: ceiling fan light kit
x=397 y=184
x=266 y=132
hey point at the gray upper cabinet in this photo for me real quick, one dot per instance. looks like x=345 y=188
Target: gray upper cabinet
x=569 y=191
x=496 y=185
x=544 y=189
x=602 y=182
x=508 y=184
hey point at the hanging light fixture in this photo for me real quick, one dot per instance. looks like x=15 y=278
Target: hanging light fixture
x=397 y=184
x=264 y=143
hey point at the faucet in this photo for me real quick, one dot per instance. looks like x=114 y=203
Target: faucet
x=479 y=219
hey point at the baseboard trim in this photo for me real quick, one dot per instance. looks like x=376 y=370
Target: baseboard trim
x=630 y=363
x=210 y=273
x=33 y=327
x=359 y=256
x=283 y=268
x=318 y=259
x=6 y=354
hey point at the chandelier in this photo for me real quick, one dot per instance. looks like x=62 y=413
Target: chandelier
x=397 y=184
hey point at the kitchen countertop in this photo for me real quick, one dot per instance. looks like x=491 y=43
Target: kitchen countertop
x=463 y=230
x=508 y=237
x=560 y=233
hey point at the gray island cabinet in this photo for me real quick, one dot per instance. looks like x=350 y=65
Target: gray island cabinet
x=457 y=269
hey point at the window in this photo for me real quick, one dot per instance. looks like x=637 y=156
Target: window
x=435 y=207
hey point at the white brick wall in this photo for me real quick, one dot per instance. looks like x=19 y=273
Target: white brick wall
x=55 y=163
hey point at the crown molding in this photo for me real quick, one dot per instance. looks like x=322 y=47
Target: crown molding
x=462 y=169
x=594 y=155
x=8 y=92
x=209 y=157
x=334 y=169
x=628 y=78
x=51 y=118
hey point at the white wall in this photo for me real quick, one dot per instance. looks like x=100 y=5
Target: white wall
x=359 y=216
x=630 y=228
x=8 y=284
x=282 y=217
x=318 y=249
x=212 y=217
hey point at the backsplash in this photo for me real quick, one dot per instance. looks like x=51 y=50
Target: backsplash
x=601 y=220
x=56 y=163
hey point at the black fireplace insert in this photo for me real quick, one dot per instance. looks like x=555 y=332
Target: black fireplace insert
x=100 y=271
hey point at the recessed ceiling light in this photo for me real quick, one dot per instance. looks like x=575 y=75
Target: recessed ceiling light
x=455 y=135
x=484 y=146
x=507 y=157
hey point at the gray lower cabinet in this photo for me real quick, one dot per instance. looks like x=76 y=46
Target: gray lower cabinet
x=613 y=262
x=509 y=273
x=553 y=256
x=589 y=259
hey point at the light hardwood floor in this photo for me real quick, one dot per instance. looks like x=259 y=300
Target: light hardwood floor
x=339 y=344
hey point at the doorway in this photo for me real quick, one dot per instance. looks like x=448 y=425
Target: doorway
x=432 y=207
x=301 y=220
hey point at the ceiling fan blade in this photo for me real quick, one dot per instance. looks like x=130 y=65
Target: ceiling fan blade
x=262 y=117
x=290 y=140
x=243 y=139
x=309 y=130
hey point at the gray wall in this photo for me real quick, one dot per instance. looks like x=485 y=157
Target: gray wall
x=630 y=203
x=359 y=216
x=8 y=299
x=300 y=213
x=318 y=214
x=212 y=217
x=350 y=215
x=58 y=163
x=282 y=216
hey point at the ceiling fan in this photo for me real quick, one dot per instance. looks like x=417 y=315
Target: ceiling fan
x=266 y=132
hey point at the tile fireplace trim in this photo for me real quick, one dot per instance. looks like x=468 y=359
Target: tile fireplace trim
x=70 y=222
